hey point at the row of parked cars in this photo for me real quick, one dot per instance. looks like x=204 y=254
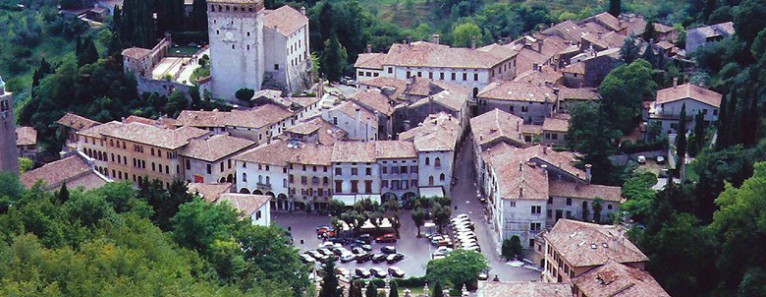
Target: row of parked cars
x=377 y=272
x=463 y=233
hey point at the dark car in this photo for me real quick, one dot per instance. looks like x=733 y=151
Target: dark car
x=358 y=250
x=362 y=273
x=386 y=238
x=395 y=271
x=388 y=250
x=377 y=258
x=391 y=259
x=366 y=238
x=338 y=240
x=361 y=258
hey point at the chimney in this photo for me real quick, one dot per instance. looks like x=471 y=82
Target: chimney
x=303 y=10
x=675 y=82
x=435 y=38
x=369 y=48
x=588 y=173
x=122 y=119
x=473 y=42
x=540 y=46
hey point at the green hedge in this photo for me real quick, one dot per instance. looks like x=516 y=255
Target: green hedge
x=630 y=147
x=410 y=282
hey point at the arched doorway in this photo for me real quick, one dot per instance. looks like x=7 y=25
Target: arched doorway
x=230 y=178
x=258 y=192
x=223 y=180
x=408 y=196
x=281 y=200
x=475 y=92
x=244 y=191
x=387 y=196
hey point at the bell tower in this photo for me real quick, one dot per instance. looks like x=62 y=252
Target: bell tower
x=9 y=154
x=235 y=28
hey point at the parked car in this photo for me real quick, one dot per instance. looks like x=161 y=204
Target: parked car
x=462 y=216
x=377 y=258
x=438 y=257
x=379 y=272
x=358 y=250
x=361 y=258
x=393 y=258
x=324 y=251
x=659 y=159
x=338 y=240
x=362 y=273
x=484 y=275
x=366 y=238
x=308 y=259
x=390 y=237
x=326 y=245
x=445 y=242
x=388 y=250
x=341 y=251
x=395 y=271
x=367 y=247
x=347 y=257
x=314 y=254
x=324 y=227
x=341 y=271
x=436 y=239
x=641 y=159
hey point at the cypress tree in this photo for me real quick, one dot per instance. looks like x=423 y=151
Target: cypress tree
x=394 y=292
x=438 y=292
x=330 y=285
x=199 y=16
x=88 y=53
x=699 y=131
x=615 y=7
x=63 y=194
x=681 y=138
x=372 y=290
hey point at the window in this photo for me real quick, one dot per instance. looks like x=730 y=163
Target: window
x=209 y=169
x=430 y=75
x=325 y=180
x=384 y=184
x=549 y=214
x=534 y=226
x=244 y=164
x=531 y=243
x=304 y=180
x=420 y=74
x=384 y=169
x=221 y=166
x=453 y=76
x=465 y=76
x=390 y=70
x=524 y=108
x=431 y=180
x=354 y=186
x=536 y=209
x=437 y=162
x=368 y=187
x=441 y=75
x=276 y=66
x=475 y=77
x=244 y=177
x=554 y=136
x=513 y=203
x=338 y=186
x=228 y=165
x=338 y=171
x=354 y=171
x=442 y=177
x=408 y=74
x=403 y=169
x=715 y=112
x=428 y=161
x=569 y=201
x=268 y=180
x=609 y=206
x=167 y=169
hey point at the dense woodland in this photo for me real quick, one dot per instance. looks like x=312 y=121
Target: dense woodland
x=705 y=237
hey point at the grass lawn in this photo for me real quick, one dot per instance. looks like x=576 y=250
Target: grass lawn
x=185 y=50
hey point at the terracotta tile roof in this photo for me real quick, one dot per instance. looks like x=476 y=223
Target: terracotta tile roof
x=72 y=170
x=517 y=178
x=209 y=192
x=311 y=154
x=394 y=149
x=502 y=289
x=609 y=20
x=558 y=123
x=666 y=45
x=526 y=59
x=540 y=154
x=353 y=151
x=585 y=191
x=518 y=91
x=308 y=127
x=202 y=118
x=303 y=101
x=618 y=280
x=715 y=29
x=26 y=136
x=285 y=20
x=76 y=122
x=146 y=134
x=594 y=28
x=578 y=93
x=584 y=244
x=328 y=133
x=246 y=204
x=215 y=147
x=419 y=86
x=452 y=101
x=690 y=91
x=136 y=53
x=374 y=100
x=438 y=133
x=370 y=61
x=578 y=68
x=662 y=28
x=495 y=125
x=553 y=45
x=545 y=75
x=163 y=122
x=636 y=24
x=567 y=30
x=399 y=86
x=426 y=54
x=350 y=108
x=258 y=117
x=499 y=51
x=275 y=153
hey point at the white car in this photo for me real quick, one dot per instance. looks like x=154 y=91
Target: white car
x=326 y=245
x=461 y=216
x=307 y=259
x=379 y=272
x=347 y=257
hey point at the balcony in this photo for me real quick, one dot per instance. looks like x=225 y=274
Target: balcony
x=262 y=186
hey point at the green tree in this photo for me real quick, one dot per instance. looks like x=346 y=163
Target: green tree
x=681 y=139
x=615 y=7
x=372 y=290
x=511 y=248
x=198 y=224
x=419 y=217
x=699 y=132
x=25 y=164
x=393 y=289
x=459 y=268
x=334 y=59
x=63 y=193
x=463 y=34
x=437 y=290
x=749 y=19
x=591 y=133
x=330 y=285
x=199 y=16
x=441 y=216
x=87 y=53
x=629 y=50
x=650 y=33
x=597 y=207
x=268 y=250
x=244 y=94
x=623 y=91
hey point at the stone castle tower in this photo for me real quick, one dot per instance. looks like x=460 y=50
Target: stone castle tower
x=9 y=154
x=236 y=45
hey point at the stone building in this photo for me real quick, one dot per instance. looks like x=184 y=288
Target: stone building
x=210 y=159
x=251 y=46
x=9 y=154
x=26 y=141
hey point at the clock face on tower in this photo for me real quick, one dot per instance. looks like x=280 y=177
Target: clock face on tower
x=229 y=36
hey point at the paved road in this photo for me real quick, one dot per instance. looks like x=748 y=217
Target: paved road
x=465 y=197
x=417 y=251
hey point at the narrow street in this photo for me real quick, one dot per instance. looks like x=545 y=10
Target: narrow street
x=464 y=196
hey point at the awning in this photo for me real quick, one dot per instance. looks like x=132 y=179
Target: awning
x=350 y=200
x=431 y=192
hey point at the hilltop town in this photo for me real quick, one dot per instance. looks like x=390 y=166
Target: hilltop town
x=612 y=154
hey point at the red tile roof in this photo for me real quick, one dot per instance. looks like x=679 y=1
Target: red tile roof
x=689 y=91
x=26 y=136
x=618 y=280
x=584 y=244
x=285 y=20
